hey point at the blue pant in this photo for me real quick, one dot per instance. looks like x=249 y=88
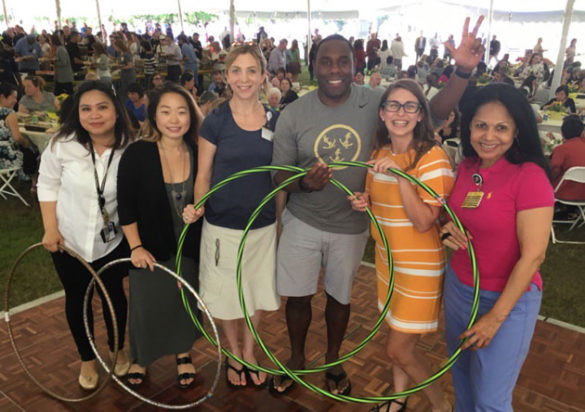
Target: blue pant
x=484 y=379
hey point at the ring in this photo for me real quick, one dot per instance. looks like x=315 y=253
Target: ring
x=204 y=309
x=445 y=235
x=293 y=374
x=106 y=296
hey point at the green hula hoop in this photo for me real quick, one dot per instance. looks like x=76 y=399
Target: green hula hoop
x=294 y=374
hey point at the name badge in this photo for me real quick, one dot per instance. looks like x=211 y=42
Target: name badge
x=109 y=231
x=267 y=134
x=472 y=200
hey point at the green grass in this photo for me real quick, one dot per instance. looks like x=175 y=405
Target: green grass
x=21 y=226
x=563 y=275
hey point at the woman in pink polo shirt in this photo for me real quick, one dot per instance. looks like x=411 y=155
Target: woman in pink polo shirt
x=504 y=199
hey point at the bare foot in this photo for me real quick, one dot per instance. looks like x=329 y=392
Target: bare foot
x=235 y=373
x=258 y=377
x=136 y=368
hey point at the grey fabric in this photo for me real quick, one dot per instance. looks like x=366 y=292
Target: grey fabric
x=308 y=131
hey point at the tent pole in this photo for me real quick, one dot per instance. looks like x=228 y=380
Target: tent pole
x=232 y=19
x=58 y=7
x=99 y=15
x=488 y=55
x=5 y=14
x=181 y=16
x=561 y=55
x=309 y=38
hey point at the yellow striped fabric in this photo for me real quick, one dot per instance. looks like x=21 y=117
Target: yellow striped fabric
x=419 y=258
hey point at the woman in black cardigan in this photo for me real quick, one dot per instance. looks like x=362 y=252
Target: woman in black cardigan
x=155 y=182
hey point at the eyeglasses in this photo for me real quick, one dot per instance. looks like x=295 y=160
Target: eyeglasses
x=392 y=106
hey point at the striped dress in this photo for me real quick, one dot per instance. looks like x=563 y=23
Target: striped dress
x=419 y=258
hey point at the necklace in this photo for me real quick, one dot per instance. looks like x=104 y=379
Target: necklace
x=178 y=197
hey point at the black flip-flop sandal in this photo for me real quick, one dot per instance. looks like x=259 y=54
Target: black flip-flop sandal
x=336 y=378
x=248 y=372
x=283 y=379
x=387 y=404
x=236 y=370
x=186 y=375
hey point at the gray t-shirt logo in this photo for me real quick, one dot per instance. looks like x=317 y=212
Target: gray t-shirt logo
x=338 y=143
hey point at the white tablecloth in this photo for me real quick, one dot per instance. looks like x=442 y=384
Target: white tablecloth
x=41 y=139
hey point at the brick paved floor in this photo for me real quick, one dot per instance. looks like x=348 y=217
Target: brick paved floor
x=553 y=377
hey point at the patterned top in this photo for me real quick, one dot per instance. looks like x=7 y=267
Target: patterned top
x=419 y=258
x=10 y=155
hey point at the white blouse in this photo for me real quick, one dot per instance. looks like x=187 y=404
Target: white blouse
x=66 y=176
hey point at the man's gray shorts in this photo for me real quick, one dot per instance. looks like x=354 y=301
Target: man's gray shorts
x=303 y=250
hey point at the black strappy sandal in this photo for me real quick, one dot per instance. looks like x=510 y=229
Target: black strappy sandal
x=186 y=375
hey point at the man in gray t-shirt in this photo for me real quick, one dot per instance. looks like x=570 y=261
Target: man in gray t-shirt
x=336 y=122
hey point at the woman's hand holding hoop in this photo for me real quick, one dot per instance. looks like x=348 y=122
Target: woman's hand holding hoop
x=454 y=238
x=192 y=215
x=141 y=258
x=359 y=201
x=52 y=239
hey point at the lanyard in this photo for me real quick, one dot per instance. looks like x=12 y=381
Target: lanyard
x=100 y=188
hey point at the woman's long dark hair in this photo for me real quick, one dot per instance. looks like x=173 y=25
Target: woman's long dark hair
x=123 y=132
x=423 y=139
x=526 y=146
x=154 y=97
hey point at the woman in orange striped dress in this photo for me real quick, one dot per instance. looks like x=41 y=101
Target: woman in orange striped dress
x=408 y=216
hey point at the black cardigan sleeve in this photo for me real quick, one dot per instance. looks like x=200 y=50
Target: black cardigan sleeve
x=128 y=185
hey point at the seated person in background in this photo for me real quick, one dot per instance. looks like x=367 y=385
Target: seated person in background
x=188 y=80
x=569 y=154
x=359 y=79
x=136 y=102
x=206 y=102
x=449 y=129
x=13 y=145
x=35 y=98
x=155 y=82
x=275 y=82
x=288 y=94
x=218 y=84
x=375 y=81
x=281 y=73
x=389 y=70
x=274 y=97
x=562 y=97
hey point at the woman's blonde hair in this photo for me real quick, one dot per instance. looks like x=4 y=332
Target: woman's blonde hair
x=254 y=51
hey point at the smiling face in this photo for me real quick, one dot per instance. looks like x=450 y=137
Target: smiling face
x=274 y=100
x=492 y=132
x=172 y=116
x=400 y=124
x=561 y=96
x=245 y=77
x=334 y=71
x=97 y=114
x=284 y=86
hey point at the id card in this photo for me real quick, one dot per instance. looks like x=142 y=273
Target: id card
x=267 y=134
x=472 y=200
x=109 y=232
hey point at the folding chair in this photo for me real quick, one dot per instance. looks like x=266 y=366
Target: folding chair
x=575 y=174
x=451 y=147
x=6 y=176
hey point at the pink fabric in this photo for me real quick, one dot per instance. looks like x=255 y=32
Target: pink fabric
x=508 y=189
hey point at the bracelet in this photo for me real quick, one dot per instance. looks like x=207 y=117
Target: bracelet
x=303 y=187
x=461 y=74
x=135 y=247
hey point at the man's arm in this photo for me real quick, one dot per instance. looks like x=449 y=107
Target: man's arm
x=466 y=56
